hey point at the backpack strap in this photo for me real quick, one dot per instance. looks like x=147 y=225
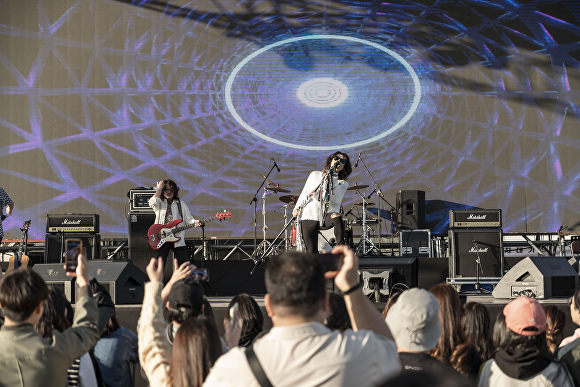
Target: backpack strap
x=257 y=367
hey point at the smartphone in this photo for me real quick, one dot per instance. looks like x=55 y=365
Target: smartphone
x=233 y=311
x=200 y=274
x=331 y=262
x=74 y=247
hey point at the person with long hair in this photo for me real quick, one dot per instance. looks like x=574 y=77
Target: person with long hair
x=168 y=207
x=476 y=323
x=196 y=345
x=195 y=349
x=569 y=350
x=555 y=324
x=251 y=315
x=453 y=347
x=318 y=206
x=522 y=357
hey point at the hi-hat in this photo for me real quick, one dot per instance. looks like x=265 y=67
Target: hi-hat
x=289 y=199
x=277 y=189
x=357 y=187
x=361 y=203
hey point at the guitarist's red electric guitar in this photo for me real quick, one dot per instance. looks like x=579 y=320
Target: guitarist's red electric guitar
x=159 y=234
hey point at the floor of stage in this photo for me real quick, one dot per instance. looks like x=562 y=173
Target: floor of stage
x=128 y=315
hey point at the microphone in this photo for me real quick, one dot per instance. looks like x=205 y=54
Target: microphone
x=276 y=165
x=357 y=159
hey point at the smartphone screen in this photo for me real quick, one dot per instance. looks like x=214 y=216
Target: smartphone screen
x=233 y=311
x=331 y=262
x=73 y=250
x=200 y=274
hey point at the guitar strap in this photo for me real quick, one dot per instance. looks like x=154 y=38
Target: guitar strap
x=179 y=208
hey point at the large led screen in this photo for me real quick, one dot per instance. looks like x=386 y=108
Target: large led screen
x=473 y=102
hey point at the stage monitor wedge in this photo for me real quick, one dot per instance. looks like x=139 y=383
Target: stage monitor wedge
x=538 y=277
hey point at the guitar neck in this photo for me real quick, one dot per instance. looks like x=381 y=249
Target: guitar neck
x=181 y=228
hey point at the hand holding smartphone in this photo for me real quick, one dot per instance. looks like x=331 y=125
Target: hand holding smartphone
x=331 y=262
x=74 y=247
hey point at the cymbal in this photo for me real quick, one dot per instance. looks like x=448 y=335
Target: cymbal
x=277 y=189
x=357 y=187
x=361 y=203
x=289 y=199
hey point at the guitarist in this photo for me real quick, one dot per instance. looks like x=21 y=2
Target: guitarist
x=5 y=201
x=167 y=206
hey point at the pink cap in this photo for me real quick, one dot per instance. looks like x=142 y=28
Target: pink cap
x=522 y=313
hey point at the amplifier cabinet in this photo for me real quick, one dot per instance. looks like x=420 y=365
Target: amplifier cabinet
x=54 y=248
x=77 y=223
x=467 y=245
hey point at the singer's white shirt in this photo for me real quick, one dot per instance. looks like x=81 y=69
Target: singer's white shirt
x=312 y=209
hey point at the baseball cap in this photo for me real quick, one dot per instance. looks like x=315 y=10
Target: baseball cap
x=522 y=313
x=414 y=320
x=186 y=295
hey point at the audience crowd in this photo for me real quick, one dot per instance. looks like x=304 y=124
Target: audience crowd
x=318 y=338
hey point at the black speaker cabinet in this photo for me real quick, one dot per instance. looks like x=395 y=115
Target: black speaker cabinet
x=122 y=279
x=139 y=250
x=54 y=246
x=469 y=244
x=538 y=277
x=55 y=275
x=410 y=209
x=415 y=243
x=402 y=270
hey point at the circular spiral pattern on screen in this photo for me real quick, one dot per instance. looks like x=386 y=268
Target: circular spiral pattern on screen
x=322 y=93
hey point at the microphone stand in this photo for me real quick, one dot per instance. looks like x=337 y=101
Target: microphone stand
x=379 y=192
x=255 y=201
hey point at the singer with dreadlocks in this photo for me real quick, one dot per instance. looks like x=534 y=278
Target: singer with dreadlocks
x=318 y=206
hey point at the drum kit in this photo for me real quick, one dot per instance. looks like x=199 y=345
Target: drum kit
x=364 y=247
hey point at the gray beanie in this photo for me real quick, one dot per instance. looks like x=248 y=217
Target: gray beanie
x=414 y=320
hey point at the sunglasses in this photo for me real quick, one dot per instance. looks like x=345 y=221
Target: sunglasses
x=168 y=190
x=340 y=159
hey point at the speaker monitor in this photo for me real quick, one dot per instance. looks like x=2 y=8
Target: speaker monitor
x=55 y=275
x=410 y=206
x=468 y=245
x=401 y=270
x=139 y=250
x=415 y=243
x=54 y=246
x=122 y=279
x=538 y=277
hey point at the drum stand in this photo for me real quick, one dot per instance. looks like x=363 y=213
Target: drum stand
x=286 y=244
x=361 y=248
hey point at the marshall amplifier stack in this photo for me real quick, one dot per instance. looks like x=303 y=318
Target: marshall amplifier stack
x=60 y=227
x=476 y=246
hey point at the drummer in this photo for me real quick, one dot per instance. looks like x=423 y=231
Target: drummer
x=318 y=206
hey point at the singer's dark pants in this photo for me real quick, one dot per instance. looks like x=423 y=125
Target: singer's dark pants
x=310 y=229
x=178 y=252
